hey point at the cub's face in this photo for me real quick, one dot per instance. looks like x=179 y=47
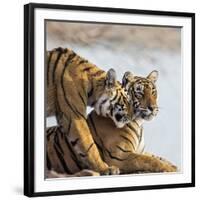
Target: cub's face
x=120 y=109
x=143 y=93
x=114 y=102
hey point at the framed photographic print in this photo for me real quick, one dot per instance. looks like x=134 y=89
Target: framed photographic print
x=108 y=99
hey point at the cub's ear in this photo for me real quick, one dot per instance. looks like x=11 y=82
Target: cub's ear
x=128 y=77
x=153 y=76
x=111 y=78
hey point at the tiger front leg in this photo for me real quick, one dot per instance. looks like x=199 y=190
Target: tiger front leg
x=144 y=163
x=81 y=141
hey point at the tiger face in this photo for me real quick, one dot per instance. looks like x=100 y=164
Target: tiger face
x=114 y=102
x=143 y=93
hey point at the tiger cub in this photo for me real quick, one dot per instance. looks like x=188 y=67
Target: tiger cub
x=124 y=147
x=73 y=83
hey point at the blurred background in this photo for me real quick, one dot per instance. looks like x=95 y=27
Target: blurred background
x=139 y=49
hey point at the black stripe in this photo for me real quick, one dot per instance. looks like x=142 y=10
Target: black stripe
x=69 y=59
x=48 y=66
x=55 y=65
x=57 y=106
x=140 y=137
x=111 y=110
x=125 y=151
x=127 y=139
x=89 y=147
x=97 y=73
x=60 y=132
x=57 y=143
x=100 y=149
x=115 y=97
x=134 y=130
x=131 y=135
x=82 y=61
x=69 y=127
x=73 y=155
x=124 y=99
x=136 y=124
x=115 y=157
x=62 y=160
x=90 y=92
x=74 y=142
x=87 y=69
x=50 y=131
x=76 y=112
x=82 y=99
x=59 y=49
x=48 y=162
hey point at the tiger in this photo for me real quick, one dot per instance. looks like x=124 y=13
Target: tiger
x=124 y=147
x=73 y=83
x=121 y=147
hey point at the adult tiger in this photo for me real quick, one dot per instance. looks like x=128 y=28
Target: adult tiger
x=73 y=83
x=124 y=147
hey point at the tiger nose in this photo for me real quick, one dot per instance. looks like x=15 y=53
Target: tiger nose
x=150 y=108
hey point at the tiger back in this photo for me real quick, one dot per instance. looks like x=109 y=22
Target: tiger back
x=73 y=83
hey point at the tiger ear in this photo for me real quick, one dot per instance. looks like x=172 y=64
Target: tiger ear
x=110 y=78
x=128 y=77
x=153 y=76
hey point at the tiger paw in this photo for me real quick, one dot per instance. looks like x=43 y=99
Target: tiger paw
x=171 y=168
x=87 y=172
x=168 y=166
x=111 y=170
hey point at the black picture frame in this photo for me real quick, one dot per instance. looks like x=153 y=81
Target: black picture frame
x=29 y=97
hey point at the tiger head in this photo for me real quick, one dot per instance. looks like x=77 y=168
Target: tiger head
x=143 y=93
x=114 y=102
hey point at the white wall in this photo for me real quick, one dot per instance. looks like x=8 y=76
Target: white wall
x=11 y=87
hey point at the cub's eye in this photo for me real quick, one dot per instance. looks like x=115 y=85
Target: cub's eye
x=120 y=107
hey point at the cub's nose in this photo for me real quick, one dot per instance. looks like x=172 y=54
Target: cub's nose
x=150 y=108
